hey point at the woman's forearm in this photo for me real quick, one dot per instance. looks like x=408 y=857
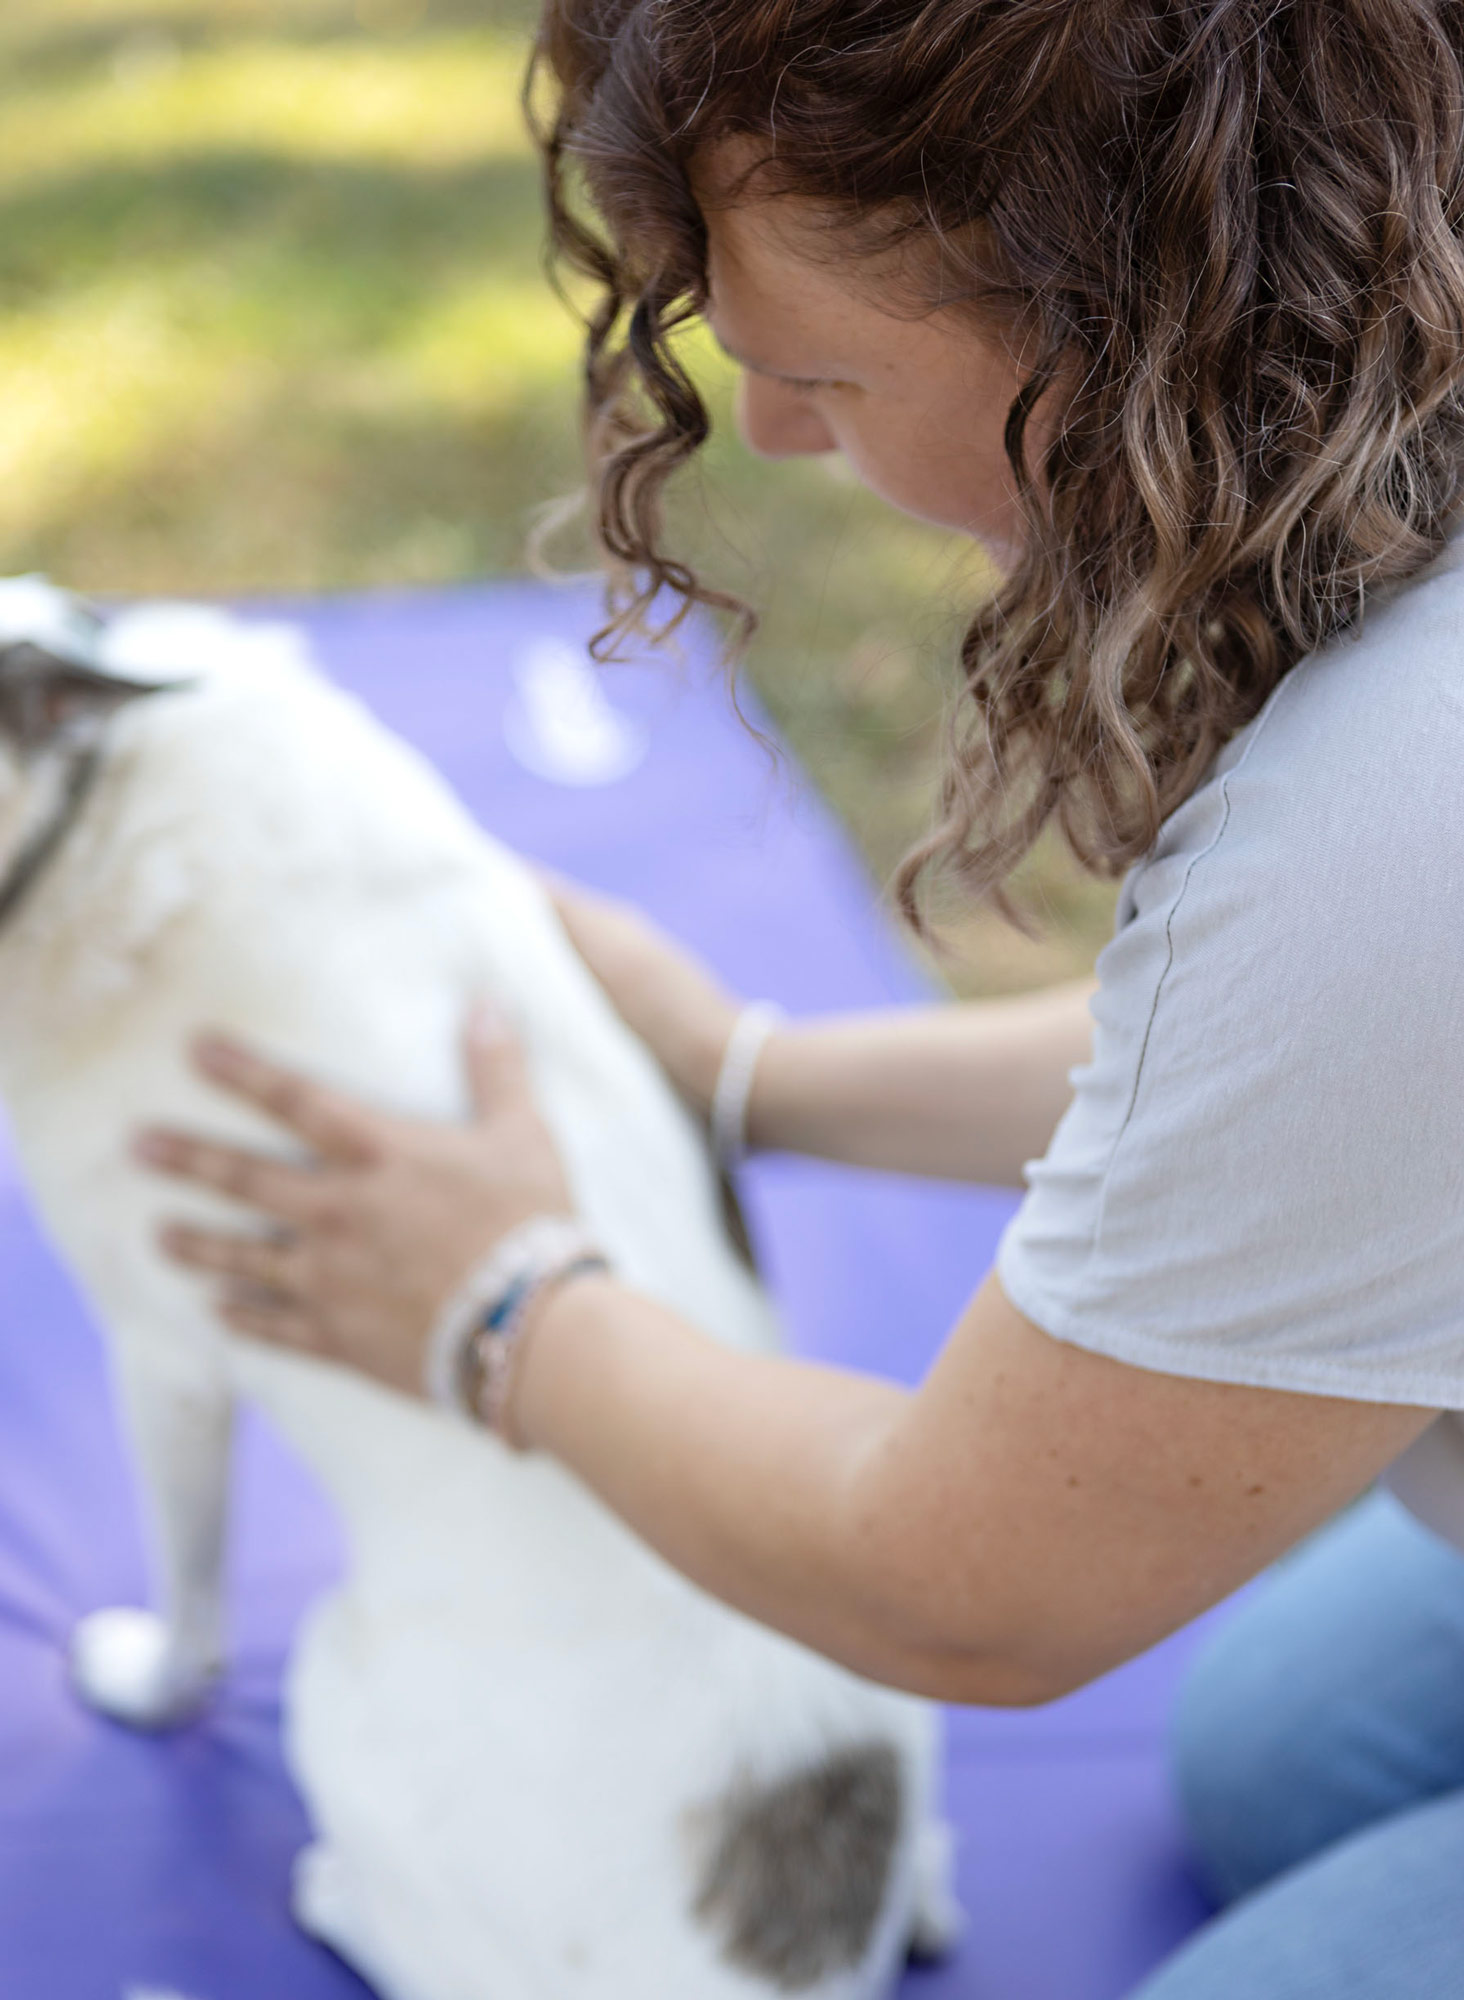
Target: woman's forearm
x=963 y=1092
x=1028 y=1518
x=747 y=1473
x=968 y=1092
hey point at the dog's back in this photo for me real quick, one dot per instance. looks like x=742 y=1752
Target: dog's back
x=538 y=1761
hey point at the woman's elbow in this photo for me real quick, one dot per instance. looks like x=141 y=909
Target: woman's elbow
x=966 y=1681
x=991 y=1667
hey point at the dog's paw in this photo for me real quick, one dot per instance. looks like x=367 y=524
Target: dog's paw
x=320 y=1895
x=126 y=1664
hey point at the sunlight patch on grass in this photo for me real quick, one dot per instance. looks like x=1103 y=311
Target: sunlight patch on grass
x=481 y=347
x=434 y=102
x=100 y=383
x=34 y=19
x=91 y=388
x=37 y=21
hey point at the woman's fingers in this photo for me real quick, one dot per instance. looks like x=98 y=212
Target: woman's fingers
x=274 y=1187
x=276 y=1324
x=495 y=1060
x=261 y=1262
x=332 y=1125
x=260 y=1296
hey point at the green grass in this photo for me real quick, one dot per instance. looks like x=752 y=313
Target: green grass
x=272 y=318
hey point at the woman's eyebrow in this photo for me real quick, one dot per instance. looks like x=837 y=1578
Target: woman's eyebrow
x=745 y=361
x=752 y=367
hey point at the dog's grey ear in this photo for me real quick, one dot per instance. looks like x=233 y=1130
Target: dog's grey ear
x=46 y=699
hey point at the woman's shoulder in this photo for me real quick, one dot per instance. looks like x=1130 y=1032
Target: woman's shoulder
x=1259 y=1178
x=1385 y=696
x=1352 y=767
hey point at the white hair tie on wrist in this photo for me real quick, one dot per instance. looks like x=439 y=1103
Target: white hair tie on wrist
x=733 y=1090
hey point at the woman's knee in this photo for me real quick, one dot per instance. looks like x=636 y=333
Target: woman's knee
x=1334 y=1696
x=1379 y=1917
x=1232 y=1772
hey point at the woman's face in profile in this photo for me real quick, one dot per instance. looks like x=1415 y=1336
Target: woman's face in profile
x=917 y=407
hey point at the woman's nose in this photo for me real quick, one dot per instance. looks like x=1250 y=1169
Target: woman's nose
x=777 y=421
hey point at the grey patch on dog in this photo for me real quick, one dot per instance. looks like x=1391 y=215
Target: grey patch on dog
x=795 y=1872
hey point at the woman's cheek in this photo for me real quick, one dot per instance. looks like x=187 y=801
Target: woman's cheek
x=965 y=491
x=892 y=473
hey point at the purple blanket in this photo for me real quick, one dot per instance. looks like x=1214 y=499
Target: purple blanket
x=128 y=1864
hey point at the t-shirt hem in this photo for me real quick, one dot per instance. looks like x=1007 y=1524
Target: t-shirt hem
x=1197 y=1362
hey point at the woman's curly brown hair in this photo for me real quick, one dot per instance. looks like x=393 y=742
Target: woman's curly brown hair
x=1229 y=233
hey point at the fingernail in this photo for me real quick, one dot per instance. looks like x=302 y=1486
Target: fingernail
x=154 y=1149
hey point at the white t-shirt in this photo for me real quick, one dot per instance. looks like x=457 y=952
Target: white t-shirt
x=1261 y=1176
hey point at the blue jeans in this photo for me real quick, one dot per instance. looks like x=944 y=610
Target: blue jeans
x=1319 y=1752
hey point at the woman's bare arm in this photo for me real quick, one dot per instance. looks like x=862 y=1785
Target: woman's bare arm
x=965 y=1092
x=1031 y=1517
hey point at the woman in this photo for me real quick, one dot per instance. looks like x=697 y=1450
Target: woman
x=1163 y=300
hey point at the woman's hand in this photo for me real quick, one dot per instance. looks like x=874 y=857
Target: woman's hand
x=375 y=1231
x=661 y=991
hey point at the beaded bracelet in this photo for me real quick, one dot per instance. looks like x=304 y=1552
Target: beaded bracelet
x=474 y=1344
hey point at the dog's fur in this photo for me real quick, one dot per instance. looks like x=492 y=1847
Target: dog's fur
x=540 y=1765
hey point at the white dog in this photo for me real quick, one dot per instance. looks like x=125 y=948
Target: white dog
x=539 y=1764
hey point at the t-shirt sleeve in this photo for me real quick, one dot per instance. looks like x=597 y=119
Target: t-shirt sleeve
x=1260 y=1178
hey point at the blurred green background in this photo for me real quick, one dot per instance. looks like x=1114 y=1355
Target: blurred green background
x=272 y=319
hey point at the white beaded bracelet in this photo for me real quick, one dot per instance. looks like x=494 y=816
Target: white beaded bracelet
x=471 y=1350
x=733 y=1089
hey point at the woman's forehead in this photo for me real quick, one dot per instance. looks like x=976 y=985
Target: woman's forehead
x=757 y=279
x=781 y=305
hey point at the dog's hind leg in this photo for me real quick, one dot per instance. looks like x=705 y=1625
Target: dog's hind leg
x=151 y=1669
